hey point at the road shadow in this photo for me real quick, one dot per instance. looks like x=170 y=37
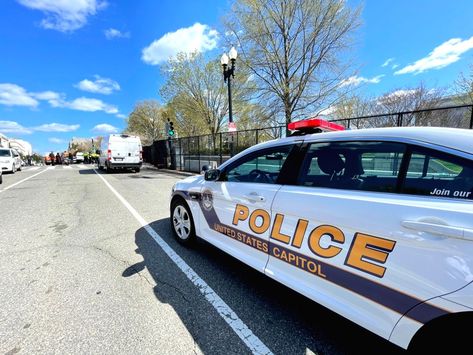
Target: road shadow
x=285 y=321
x=87 y=171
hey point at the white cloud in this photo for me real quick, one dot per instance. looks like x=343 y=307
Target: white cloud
x=112 y=33
x=198 y=38
x=445 y=54
x=99 y=85
x=105 y=128
x=121 y=115
x=358 y=80
x=394 y=66
x=57 y=140
x=13 y=127
x=387 y=62
x=56 y=127
x=65 y=15
x=15 y=95
x=90 y=105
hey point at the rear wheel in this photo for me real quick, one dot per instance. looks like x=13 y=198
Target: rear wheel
x=181 y=222
x=137 y=170
x=108 y=169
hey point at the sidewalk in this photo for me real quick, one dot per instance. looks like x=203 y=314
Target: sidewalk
x=176 y=172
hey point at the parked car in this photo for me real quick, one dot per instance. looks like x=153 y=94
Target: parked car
x=79 y=157
x=10 y=160
x=120 y=151
x=374 y=224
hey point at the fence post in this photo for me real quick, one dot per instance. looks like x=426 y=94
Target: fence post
x=220 y=148
x=399 y=119
x=257 y=131
x=471 y=117
x=198 y=152
x=348 y=124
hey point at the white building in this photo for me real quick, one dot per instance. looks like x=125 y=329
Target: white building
x=21 y=146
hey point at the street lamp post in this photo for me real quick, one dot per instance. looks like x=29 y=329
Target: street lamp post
x=228 y=73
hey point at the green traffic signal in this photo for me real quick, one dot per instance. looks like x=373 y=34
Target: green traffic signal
x=170 y=129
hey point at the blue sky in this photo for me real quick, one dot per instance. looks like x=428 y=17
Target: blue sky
x=78 y=68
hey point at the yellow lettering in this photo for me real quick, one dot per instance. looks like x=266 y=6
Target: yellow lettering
x=276 y=231
x=266 y=221
x=372 y=248
x=241 y=213
x=335 y=234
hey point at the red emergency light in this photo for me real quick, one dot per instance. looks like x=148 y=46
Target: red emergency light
x=313 y=125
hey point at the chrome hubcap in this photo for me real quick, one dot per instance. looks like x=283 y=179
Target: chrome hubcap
x=181 y=222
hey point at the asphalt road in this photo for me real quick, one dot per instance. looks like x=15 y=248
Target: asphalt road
x=80 y=274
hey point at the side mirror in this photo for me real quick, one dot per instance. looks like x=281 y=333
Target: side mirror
x=212 y=175
x=98 y=151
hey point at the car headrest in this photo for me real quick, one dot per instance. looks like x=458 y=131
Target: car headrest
x=330 y=162
x=353 y=165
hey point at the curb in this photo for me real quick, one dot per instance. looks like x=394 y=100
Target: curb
x=169 y=171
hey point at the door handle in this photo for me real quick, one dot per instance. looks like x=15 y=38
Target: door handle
x=439 y=229
x=254 y=197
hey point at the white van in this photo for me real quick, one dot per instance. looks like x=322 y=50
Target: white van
x=119 y=151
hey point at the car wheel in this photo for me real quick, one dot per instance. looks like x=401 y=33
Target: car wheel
x=137 y=170
x=1 y=178
x=108 y=169
x=181 y=222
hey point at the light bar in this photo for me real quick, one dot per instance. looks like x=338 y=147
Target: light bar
x=315 y=123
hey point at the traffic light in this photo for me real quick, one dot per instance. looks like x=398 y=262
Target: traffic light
x=170 y=129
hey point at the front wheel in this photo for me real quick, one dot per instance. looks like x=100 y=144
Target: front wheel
x=181 y=222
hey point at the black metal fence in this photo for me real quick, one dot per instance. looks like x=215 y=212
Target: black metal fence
x=191 y=153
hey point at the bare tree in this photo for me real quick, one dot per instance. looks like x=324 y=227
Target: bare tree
x=147 y=121
x=294 y=49
x=464 y=87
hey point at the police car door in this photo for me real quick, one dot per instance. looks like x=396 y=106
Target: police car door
x=359 y=238
x=236 y=209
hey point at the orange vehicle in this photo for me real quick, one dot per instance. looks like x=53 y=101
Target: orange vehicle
x=47 y=160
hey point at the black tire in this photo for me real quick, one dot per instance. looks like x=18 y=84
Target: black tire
x=185 y=234
x=137 y=170
x=108 y=169
x=1 y=179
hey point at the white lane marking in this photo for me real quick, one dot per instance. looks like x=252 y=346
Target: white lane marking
x=51 y=167
x=33 y=168
x=19 y=182
x=241 y=329
x=67 y=167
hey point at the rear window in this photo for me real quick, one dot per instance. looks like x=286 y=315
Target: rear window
x=367 y=166
x=439 y=175
x=4 y=153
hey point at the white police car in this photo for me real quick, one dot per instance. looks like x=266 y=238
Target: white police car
x=374 y=224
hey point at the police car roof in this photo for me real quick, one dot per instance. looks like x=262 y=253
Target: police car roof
x=454 y=138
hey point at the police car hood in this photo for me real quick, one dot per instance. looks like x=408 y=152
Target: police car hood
x=189 y=182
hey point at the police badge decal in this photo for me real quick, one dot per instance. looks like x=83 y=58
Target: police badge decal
x=207 y=200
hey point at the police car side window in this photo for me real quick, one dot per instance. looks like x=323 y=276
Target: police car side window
x=439 y=175
x=259 y=167
x=367 y=166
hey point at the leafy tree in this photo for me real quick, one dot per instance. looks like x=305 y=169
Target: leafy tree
x=197 y=94
x=148 y=121
x=295 y=50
